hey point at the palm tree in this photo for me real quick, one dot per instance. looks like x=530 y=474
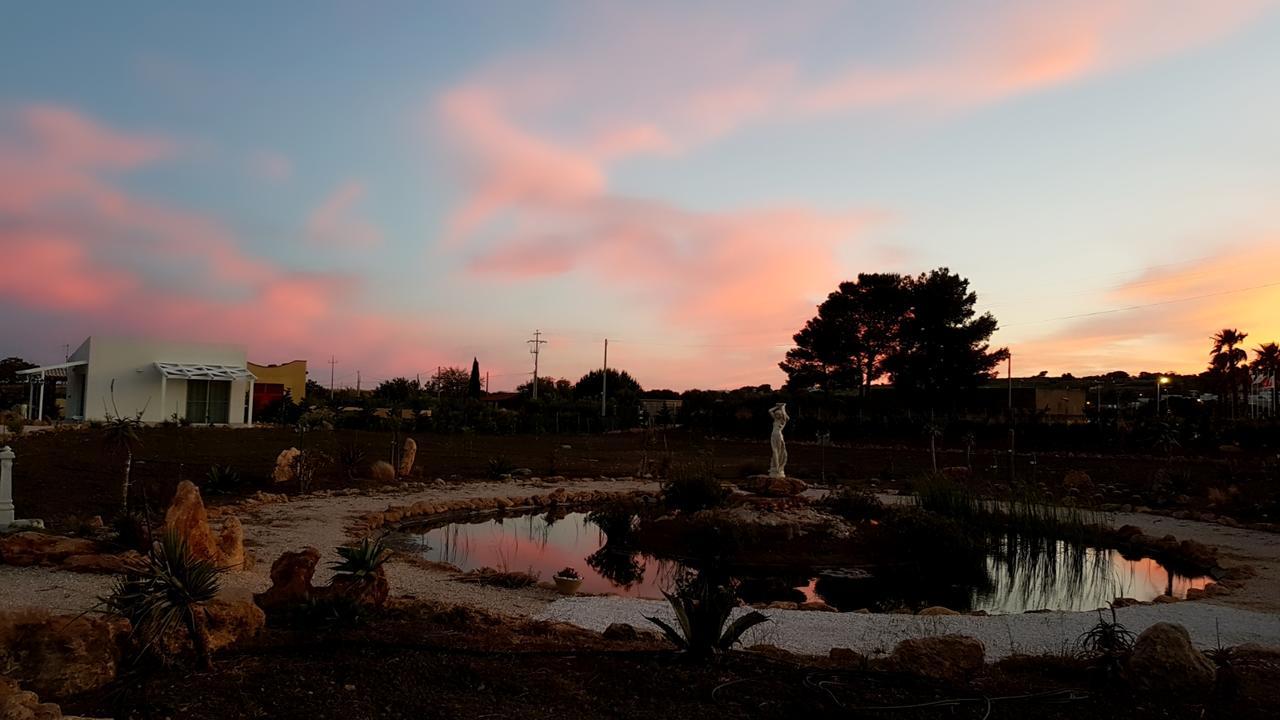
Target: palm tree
x=1266 y=362
x=1226 y=359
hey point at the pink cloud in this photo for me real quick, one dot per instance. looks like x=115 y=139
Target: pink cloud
x=83 y=255
x=336 y=221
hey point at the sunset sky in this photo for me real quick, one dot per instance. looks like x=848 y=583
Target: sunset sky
x=407 y=185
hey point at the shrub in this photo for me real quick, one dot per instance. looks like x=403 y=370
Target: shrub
x=854 y=505
x=167 y=592
x=617 y=518
x=351 y=458
x=363 y=559
x=500 y=466
x=1106 y=645
x=691 y=489
x=703 y=607
x=222 y=480
x=132 y=531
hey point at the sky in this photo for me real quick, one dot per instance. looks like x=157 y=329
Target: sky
x=403 y=185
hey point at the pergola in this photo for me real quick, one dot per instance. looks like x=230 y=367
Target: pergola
x=202 y=371
x=40 y=375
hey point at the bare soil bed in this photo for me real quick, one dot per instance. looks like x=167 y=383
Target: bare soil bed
x=436 y=662
x=59 y=474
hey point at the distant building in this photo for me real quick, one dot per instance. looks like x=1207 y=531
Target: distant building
x=654 y=408
x=1049 y=400
x=153 y=379
x=274 y=382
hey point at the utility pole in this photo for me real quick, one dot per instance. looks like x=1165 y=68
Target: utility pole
x=1009 y=372
x=535 y=347
x=357 y=382
x=66 y=352
x=604 y=381
x=332 y=362
x=486 y=382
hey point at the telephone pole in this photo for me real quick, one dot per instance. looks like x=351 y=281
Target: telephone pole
x=604 y=381
x=535 y=347
x=332 y=362
x=357 y=382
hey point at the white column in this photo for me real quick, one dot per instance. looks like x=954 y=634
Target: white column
x=31 y=397
x=42 y=384
x=249 y=405
x=6 y=486
x=164 y=383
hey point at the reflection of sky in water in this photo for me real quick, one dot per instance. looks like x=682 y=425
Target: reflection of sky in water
x=1060 y=577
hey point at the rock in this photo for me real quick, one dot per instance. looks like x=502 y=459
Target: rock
x=57 y=655
x=944 y=657
x=369 y=590
x=1078 y=480
x=19 y=704
x=621 y=631
x=1195 y=593
x=286 y=465
x=291 y=575
x=816 y=606
x=773 y=487
x=1124 y=602
x=226 y=622
x=1164 y=599
x=187 y=516
x=1198 y=554
x=382 y=471
x=407 y=457
x=937 y=610
x=39 y=548
x=844 y=657
x=128 y=561
x=1164 y=663
x=782 y=605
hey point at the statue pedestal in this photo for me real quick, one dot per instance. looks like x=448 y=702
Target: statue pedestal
x=770 y=486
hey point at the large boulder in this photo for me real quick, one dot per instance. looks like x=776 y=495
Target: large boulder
x=286 y=469
x=407 y=457
x=773 y=486
x=226 y=622
x=382 y=471
x=39 y=548
x=187 y=516
x=1166 y=664
x=291 y=575
x=952 y=658
x=19 y=704
x=369 y=591
x=57 y=655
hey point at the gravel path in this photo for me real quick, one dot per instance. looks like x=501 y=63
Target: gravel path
x=321 y=522
x=815 y=633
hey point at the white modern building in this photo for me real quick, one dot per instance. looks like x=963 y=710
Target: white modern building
x=154 y=379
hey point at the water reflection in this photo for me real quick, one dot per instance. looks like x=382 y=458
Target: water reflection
x=1019 y=574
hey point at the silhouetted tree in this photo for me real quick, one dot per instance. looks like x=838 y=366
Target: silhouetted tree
x=620 y=382
x=857 y=328
x=473 y=385
x=1266 y=363
x=397 y=389
x=944 y=345
x=549 y=388
x=10 y=366
x=450 y=382
x=1226 y=360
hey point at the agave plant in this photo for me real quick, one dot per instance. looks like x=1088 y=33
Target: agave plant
x=362 y=560
x=169 y=590
x=702 y=609
x=222 y=479
x=1106 y=644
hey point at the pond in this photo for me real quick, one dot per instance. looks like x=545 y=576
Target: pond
x=1019 y=575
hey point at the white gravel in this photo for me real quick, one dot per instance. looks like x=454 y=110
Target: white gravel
x=815 y=633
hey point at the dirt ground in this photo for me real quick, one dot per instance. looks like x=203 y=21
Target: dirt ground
x=432 y=662
x=58 y=474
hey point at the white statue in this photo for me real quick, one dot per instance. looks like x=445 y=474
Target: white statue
x=778 y=466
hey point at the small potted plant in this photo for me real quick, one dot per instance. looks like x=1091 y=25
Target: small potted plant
x=568 y=581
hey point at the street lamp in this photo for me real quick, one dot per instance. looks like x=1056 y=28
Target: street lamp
x=1161 y=381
